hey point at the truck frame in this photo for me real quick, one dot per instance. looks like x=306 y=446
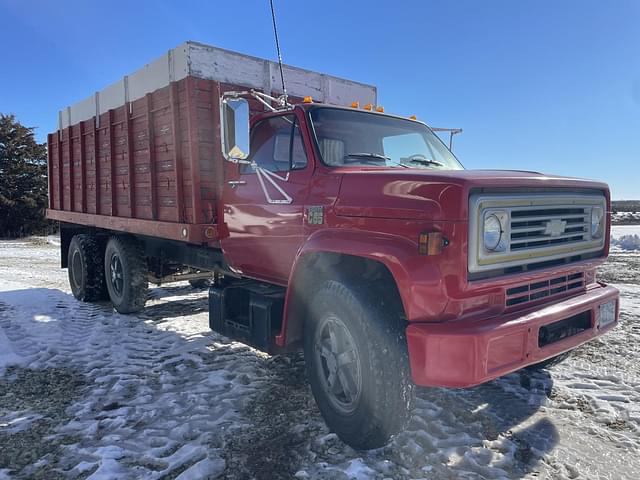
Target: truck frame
x=318 y=221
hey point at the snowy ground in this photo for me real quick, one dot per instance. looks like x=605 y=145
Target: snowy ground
x=85 y=392
x=625 y=238
x=621 y=218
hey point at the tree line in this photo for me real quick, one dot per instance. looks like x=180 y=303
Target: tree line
x=23 y=180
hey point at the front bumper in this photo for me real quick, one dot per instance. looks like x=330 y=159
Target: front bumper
x=474 y=351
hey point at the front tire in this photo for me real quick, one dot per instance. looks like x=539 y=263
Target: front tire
x=357 y=365
x=85 y=268
x=550 y=362
x=126 y=274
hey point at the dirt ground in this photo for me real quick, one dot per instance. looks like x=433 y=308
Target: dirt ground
x=88 y=393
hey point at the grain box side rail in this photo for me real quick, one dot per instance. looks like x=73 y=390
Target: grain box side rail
x=143 y=155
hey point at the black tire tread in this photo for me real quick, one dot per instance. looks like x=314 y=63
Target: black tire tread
x=90 y=248
x=550 y=362
x=133 y=258
x=388 y=356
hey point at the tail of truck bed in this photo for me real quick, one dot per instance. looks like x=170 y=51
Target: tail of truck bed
x=143 y=155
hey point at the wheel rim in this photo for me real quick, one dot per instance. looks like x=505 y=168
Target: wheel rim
x=338 y=362
x=76 y=269
x=116 y=276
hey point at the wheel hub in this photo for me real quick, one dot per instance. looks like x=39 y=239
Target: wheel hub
x=116 y=274
x=339 y=363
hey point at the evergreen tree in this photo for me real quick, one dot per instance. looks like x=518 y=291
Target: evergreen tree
x=23 y=179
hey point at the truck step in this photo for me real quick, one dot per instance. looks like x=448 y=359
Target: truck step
x=248 y=312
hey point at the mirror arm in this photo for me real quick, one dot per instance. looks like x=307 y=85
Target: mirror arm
x=263 y=98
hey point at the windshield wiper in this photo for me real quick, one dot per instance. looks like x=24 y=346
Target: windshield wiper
x=424 y=161
x=366 y=155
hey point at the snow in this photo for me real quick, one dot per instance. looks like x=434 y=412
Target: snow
x=7 y=355
x=159 y=395
x=625 y=237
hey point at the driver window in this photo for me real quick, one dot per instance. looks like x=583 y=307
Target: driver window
x=276 y=145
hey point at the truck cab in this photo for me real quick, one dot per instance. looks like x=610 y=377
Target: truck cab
x=479 y=273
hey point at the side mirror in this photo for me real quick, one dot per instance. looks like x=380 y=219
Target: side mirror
x=234 y=125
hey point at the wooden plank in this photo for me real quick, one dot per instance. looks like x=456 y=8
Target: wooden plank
x=96 y=164
x=152 y=157
x=132 y=173
x=218 y=161
x=83 y=171
x=207 y=62
x=186 y=232
x=112 y=165
x=60 y=173
x=194 y=151
x=177 y=157
x=72 y=198
x=50 y=167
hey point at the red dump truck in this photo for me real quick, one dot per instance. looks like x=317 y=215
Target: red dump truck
x=324 y=223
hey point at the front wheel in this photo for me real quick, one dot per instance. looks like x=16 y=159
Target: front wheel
x=356 y=358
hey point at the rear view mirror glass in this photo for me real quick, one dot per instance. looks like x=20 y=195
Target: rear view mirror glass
x=234 y=123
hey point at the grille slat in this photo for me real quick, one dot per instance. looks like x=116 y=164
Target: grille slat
x=544 y=227
x=523 y=294
x=537 y=228
x=540 y=218
x=538 y=238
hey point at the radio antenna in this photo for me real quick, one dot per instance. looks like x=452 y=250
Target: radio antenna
x=275 y=32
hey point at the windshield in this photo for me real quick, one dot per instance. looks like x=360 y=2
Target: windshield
x=357 y=138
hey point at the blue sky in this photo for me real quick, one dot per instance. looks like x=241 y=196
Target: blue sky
x=552 y=86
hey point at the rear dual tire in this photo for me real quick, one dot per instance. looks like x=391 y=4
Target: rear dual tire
x=117 y=272
x=85 y=268
x=126 y=274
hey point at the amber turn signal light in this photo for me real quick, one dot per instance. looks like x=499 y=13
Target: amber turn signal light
x=431 y=243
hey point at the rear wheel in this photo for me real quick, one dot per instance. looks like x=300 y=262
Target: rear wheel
x=85 y=268
x=200 y=283
x=549 y=362
x=357 y=365
x=126 y=274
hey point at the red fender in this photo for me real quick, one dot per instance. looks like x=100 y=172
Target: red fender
x=417 y=277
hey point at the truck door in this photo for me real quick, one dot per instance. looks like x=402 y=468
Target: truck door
x=264 y=204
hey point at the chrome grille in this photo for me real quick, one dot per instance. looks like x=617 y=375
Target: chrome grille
x=544 y=289
x=536 y=227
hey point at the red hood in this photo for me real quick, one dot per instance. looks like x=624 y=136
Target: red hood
x=436 y=195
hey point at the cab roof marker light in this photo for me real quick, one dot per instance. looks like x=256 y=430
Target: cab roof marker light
x=307 y=99
x=355 y=104
x=380 y=109
x=368 y=107
x=413 y=117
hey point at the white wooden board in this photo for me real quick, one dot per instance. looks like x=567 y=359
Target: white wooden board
x=205 y=61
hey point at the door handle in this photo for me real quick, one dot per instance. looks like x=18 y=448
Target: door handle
x=235 y=183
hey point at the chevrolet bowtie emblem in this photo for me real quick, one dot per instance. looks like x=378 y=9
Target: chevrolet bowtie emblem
x=555 y=227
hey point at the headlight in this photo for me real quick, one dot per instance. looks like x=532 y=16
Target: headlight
x=493 y=233
x=597 y=222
